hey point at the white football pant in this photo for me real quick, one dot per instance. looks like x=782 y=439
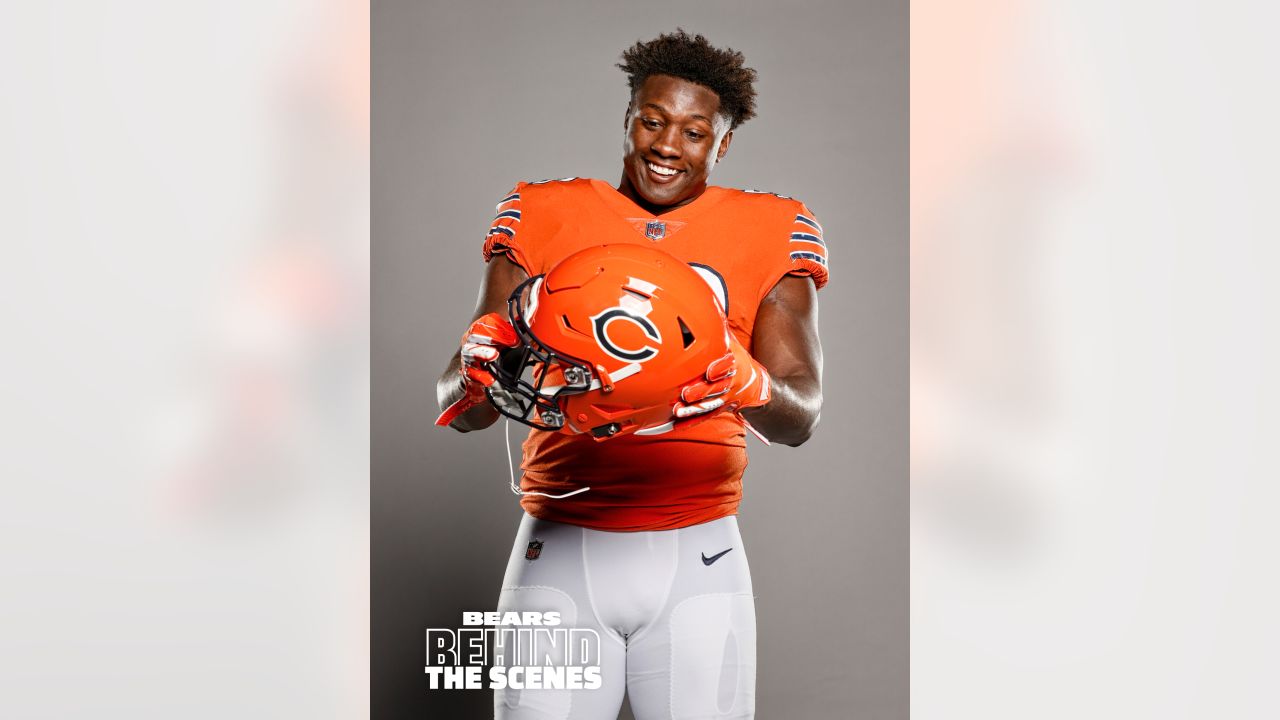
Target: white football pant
x=673 y=609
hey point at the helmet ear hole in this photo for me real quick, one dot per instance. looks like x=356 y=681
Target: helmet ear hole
x=685 y=333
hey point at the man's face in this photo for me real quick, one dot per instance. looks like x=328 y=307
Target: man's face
x=675 y=135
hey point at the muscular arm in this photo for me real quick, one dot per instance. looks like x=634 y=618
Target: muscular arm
x=501 y=276
x=785 y=341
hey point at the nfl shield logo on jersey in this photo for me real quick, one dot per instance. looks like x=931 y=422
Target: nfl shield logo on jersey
x=535 y=550
x=655 y=230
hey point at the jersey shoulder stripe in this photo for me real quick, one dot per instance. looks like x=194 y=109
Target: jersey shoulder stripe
x=501 y=237
x=814 y=257
x=807 y=237
x=808 y=249
x=804 y=220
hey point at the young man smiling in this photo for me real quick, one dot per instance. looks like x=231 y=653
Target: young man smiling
x=650 y=557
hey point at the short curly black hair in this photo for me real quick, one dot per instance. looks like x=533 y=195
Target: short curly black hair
x=692 y=58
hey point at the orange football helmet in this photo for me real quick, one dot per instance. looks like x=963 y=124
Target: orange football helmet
x=608 y=338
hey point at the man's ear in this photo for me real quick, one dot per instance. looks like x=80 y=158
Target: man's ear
x=626 y=118
x=724 y=146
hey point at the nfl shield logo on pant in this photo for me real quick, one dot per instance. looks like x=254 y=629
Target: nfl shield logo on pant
x=655 y=230
x=534 y=551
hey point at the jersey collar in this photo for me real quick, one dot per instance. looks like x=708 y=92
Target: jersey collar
x=627 y=208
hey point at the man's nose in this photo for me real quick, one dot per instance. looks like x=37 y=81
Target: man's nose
x=667 y=144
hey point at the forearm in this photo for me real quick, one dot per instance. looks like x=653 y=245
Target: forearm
x=450 y=388
x=501 y=277
x=792 y=412
x=785 y=342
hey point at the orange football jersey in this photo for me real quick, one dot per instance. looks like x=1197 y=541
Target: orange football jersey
x=751 y=240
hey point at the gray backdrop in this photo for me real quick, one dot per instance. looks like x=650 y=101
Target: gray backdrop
x=469 y=98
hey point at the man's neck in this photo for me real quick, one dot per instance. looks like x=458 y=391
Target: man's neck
x=625 y=188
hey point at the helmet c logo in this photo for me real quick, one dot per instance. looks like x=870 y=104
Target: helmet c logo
x=606 y=319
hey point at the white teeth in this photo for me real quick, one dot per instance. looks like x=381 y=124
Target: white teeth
x=661 y=170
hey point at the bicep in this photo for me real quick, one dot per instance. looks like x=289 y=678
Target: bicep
x=501 y=277
x=785 y=337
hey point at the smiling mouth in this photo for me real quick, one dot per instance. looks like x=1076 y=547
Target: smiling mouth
x=661 y=171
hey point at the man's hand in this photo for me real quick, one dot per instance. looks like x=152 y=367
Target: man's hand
x=482 y=344
x=732 y=382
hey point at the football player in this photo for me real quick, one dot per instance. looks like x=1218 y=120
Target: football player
x=649 y=554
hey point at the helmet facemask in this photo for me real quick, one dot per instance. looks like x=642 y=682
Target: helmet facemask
x=532 y=378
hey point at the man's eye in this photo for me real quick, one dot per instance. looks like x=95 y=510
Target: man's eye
x=695 y=136
x=652 y=124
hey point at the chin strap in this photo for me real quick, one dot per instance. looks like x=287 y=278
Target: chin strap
x=511 y=465
x=754 y=431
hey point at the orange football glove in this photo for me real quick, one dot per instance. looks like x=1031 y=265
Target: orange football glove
x=482 y=344
x=732 y=382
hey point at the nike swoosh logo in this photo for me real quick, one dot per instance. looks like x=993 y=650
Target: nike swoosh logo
x=708 y=560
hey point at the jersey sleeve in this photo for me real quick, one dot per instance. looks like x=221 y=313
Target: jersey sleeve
x=504 y=236
x=808 y=251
